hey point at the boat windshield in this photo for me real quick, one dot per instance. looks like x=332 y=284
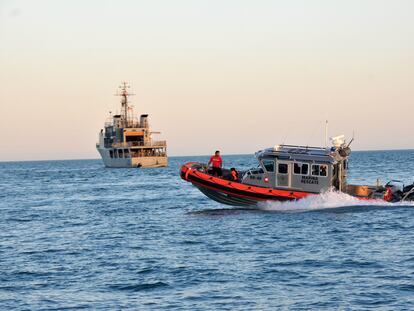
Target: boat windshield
x=258 y=170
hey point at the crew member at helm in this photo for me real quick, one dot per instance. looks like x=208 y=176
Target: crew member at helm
x=234 y=174
x=216 y=163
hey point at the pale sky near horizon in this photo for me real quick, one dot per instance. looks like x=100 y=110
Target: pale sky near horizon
x=237 y=76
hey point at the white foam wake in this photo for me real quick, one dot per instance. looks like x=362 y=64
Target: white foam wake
x=326 y=200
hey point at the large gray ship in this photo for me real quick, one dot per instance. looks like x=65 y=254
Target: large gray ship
x=126 y=141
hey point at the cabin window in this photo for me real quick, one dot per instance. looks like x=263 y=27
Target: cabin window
x=300 y=168
x=121 y=153
x=126 y=153
x=269 y=165
x=111 y=153
x=319 y=170
x=282 y=168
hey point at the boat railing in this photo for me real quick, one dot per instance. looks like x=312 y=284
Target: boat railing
x=160 y=143
x=129 y=124
x=134 y=124
x=138 y=154
x=302 y=147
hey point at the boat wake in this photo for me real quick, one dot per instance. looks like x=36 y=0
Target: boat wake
x=329 y=201
x=332 y=201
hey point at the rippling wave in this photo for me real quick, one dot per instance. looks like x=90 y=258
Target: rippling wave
x=76 y=235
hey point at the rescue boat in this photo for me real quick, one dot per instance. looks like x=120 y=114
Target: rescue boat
x=290 y=172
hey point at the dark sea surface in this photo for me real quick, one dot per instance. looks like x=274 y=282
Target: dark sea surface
x=75 y=235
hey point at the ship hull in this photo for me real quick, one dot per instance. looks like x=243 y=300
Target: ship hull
x=144 y=162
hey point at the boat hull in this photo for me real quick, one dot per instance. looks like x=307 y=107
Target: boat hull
x=227 y=199
x=235 y=193
x=144 y=162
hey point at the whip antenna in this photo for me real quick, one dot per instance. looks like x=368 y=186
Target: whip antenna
x=352 y=139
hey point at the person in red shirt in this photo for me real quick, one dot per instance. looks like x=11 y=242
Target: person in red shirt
x=216 y=163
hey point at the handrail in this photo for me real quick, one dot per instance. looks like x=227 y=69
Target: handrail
x=161 y=143
x=129 y=124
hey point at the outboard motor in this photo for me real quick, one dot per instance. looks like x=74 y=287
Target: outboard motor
x=408 y=193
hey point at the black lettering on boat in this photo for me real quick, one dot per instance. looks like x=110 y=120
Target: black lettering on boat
x=309 y=180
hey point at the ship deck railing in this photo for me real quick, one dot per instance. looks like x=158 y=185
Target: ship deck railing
x=129 y=124
x=154 y=144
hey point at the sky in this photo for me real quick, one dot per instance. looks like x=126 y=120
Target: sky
x=237 y=76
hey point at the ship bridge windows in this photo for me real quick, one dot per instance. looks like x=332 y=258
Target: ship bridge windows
x=300 y=168
x=135 y=140
x=319 y=170
x=134 y=137
x=111 y=154
x=269 y=165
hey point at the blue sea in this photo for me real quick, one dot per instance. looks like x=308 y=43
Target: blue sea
x=77 y=235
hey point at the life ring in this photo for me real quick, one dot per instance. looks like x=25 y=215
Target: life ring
x=388 y=194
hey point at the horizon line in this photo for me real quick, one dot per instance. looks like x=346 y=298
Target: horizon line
x=192 y=155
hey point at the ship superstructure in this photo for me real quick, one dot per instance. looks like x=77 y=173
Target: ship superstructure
x=126 y=141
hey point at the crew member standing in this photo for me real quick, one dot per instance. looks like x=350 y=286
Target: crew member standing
x=216 y=163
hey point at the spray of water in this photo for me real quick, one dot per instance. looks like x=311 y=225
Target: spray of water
x=327 y=200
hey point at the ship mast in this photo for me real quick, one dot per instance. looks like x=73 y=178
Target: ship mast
x=124 y=101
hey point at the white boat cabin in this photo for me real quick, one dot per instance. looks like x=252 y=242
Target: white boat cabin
x=300 y=168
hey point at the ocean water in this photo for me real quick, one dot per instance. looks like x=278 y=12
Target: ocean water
x=76 y=235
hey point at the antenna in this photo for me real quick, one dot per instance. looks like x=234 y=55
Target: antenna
x=326 y=133
x=352 y=139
